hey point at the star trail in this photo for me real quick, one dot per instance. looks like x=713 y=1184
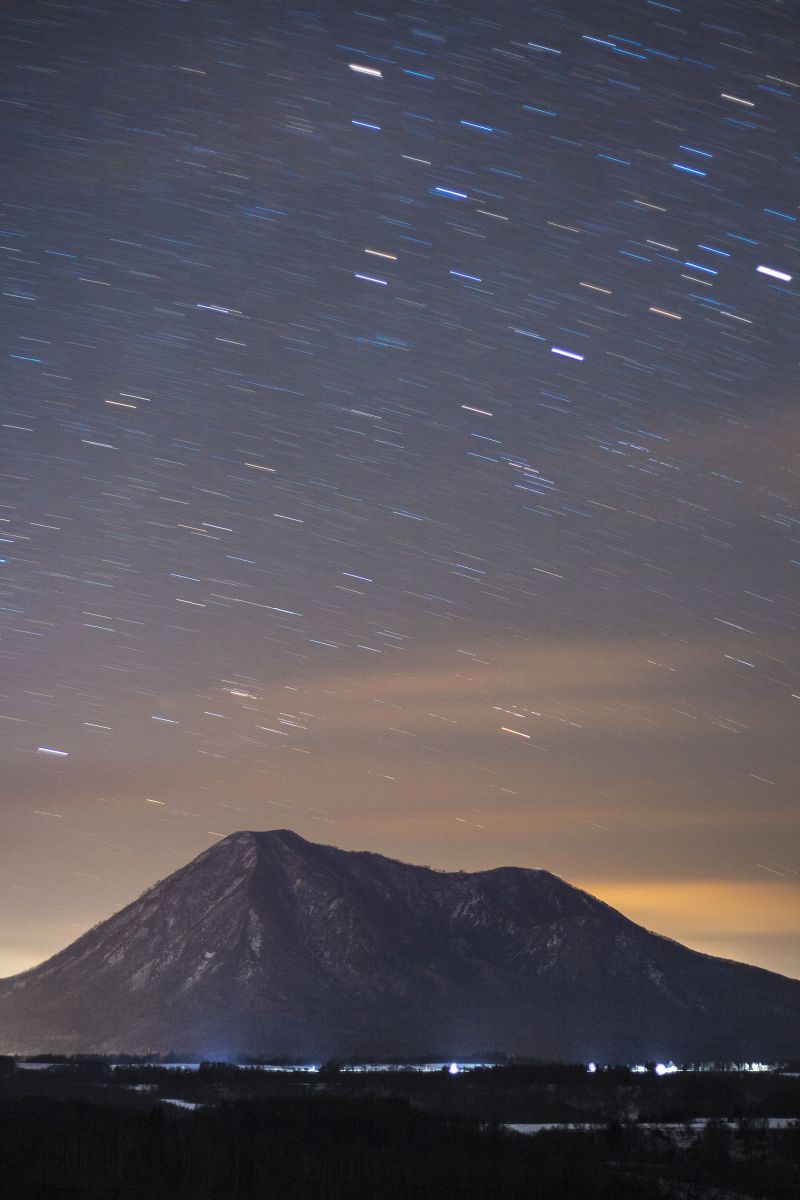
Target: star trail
x=399 y=443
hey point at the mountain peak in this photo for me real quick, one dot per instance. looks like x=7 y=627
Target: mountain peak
x=263 y=837
x=273 y=835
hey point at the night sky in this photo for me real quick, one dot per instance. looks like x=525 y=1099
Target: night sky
x=399 y=444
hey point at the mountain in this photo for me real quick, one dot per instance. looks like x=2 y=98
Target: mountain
x=269 y=944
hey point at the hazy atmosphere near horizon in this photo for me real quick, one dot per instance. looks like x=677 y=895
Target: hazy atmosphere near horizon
x=399 y=445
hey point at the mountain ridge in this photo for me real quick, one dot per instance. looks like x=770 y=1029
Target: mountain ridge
x=268 y=943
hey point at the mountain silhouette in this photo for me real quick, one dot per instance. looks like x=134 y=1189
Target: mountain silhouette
x=270 y=944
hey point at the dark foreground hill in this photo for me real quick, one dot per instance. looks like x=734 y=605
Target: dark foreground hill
x=305 y=1149
x=269 y=944
x=85 y=1131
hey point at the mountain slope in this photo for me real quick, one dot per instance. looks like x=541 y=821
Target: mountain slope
x=267 y=943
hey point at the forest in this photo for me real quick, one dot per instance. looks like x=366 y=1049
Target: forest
x=82 y=1131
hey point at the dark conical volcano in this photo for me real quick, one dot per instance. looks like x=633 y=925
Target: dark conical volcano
x=270 y=944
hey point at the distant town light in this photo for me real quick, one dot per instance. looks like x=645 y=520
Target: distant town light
x=666 y=1068
x=453 y=1068
x=592 y=1067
